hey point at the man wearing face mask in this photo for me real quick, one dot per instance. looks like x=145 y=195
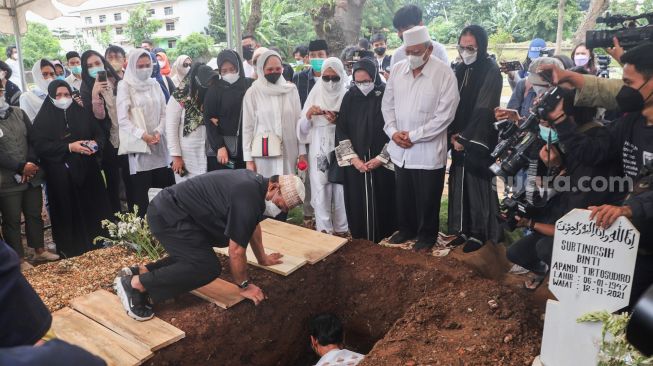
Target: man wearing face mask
x=221 y=208
x=75 y=67
x=379 y=44
x=406 y=18
x=318 y=51
x=12 y=61
x=249 y=45
x=473 y=203
x=117 y=58
x=630 y=140
x=419 y=103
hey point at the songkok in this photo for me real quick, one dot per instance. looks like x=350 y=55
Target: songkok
x=318 y=45
x=292 y=190
x=416 y=35
x=533 y=77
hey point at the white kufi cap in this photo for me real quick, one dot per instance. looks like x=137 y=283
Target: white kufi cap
x=416 y=35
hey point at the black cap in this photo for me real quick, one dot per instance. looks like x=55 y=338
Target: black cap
x=318 y=45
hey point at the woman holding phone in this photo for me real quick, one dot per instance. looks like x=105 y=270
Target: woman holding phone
x=98 y=92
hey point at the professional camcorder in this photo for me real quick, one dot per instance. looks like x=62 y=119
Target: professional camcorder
x=520 y=144
x=603 y=61
x=629 y=33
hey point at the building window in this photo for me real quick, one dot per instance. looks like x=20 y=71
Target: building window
x=88 y=20
x=170 y=26
x=172 y=43
x=103 y=18
x=118 y=30
x=117 y=17
x=150 y=11
x=167 y=10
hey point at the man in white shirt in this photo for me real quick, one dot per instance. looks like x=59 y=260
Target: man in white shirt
x=419 y=103
x=75 y=67
x=406 y=18
x=326 y=340
x=12 y=61
x=250 y=45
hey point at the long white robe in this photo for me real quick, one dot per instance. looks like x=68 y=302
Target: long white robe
x=191 y=148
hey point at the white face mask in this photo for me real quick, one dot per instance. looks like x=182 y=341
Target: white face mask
x=469 y=57
x=47 y=83
x=415 y=62
x=331 y=86
x=365 y=87
x=62 y=103
x=144 y=74
x=230 y=78
x=271 y=210
x=185 y=70
x=581 y=60
x=162 y=64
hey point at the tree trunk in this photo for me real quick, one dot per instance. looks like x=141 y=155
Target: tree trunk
x=255 y=17
x=561 y=25
x=597 y=7
x=339 y=23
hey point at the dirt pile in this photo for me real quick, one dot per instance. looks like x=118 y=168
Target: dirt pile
x=398 y=307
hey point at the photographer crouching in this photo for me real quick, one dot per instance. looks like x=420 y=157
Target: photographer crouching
x=630 y=140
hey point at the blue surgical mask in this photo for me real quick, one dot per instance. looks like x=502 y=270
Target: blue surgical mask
x=316 y=64
x=77 y=70
x=92 y=72
x=61 y=77
x=544 y=134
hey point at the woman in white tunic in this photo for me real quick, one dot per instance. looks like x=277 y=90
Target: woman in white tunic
x=317 y=128
x=271 y=108
x=31 y=101
x=139 y=90
x=185 y=130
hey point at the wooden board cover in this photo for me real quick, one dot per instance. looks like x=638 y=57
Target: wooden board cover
x=220 y=292
x=106 y=309
x=290 y=263
x=298 y=241
x=75 y=328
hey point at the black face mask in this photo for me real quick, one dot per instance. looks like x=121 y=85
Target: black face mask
x=379 y=51
x=272 y=78
x=248 y=53
x=630 y=99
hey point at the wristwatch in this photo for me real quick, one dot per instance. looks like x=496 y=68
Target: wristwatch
x=244 y=285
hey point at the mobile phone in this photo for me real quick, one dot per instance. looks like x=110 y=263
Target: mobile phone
x=75 y=94
x=512 y=65
x=230 y=164
x=102 y=76
x=91 y=145
x=183 y=173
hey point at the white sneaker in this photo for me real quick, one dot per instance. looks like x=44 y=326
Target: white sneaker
x=518 y=270
x=46 y=256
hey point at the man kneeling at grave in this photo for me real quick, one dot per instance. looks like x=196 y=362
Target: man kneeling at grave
x=221 y=208
x=327 y=341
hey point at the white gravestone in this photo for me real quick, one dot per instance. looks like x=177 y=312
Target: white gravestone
x=591 y=270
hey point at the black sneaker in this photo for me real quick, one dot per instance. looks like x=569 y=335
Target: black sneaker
x=424 y=245
x=472 y=245
x=133 y=301
x=400 y=238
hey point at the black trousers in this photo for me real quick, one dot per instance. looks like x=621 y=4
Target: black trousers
x=116 y=169
x=30 y=203
x=532 y=252
x=191 y=263
x=418 y=201
x=143 y=181
x=642 y=277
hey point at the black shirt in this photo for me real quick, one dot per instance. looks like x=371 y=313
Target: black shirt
x=305 y=81
x=228 y=204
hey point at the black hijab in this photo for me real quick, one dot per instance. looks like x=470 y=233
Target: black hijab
x=232 y=57
x=371 y=67
x=88 y=82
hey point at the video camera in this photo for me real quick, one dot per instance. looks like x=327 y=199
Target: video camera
x=518 y=205
x=520 y=144
x=547 y=52
x=603 y=61
x=630 y=34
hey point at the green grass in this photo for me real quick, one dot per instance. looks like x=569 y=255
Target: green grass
x=296 y=216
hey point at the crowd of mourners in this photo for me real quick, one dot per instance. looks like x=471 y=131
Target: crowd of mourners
x=371 y=134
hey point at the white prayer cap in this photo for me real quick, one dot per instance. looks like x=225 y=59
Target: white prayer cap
x=416 y=35
x=292 y=190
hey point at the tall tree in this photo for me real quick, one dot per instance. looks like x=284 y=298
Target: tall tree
x=338 y=22
x=255 y=17
x=597 y=7
x=561 y=25
x=217 y=22
x=140 y=25
x=196 y=45
x=38 y=43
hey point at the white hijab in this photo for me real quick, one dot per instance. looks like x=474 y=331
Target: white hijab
x=41 y=84
x=321 y=96
x=280 y=87
x=177 y=74
x=130 y=73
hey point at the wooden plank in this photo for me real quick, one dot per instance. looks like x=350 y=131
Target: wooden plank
x=290 y=263
x=300 y=234
x=220 y=292
x=81 y=331
x=106 y=309
x=295 y=248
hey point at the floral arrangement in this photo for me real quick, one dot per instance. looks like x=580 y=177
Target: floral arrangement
x=615 y=350
x=133 y=232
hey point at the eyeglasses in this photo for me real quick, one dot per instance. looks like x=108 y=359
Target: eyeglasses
x=335 y=79
x=468 y=48
x=186 y=65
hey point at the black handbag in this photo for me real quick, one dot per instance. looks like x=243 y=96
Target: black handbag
x=335 y=173
x=231 y=143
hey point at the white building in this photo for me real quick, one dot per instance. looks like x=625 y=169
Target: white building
x=179 y=18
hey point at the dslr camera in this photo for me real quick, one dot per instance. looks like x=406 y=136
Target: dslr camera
x=626 y=28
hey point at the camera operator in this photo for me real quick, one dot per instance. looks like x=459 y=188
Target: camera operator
x=630 y=139
x=530 y=87
x=514 y=77
x=534 y=250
